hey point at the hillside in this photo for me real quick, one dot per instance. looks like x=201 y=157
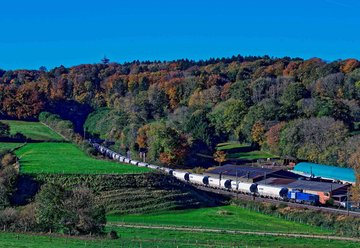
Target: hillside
x=178 y=109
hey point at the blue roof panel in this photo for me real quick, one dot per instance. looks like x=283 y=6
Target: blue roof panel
x=326 y=171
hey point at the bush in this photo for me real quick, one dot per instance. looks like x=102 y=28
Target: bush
x=8 y=159
x=113 y=235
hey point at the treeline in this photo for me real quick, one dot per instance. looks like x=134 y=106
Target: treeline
x=66 y=129
x=177 y=110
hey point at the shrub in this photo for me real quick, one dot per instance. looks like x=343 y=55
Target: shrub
x=113 y=235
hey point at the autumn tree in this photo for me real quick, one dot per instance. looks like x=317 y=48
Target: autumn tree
x=167 y=145
x=258 y=133
x=273 y=137
x=220 y=157
x=354 y=161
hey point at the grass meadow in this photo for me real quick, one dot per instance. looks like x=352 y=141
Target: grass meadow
x=33 y=130
x=223 y=217
x=67 y=158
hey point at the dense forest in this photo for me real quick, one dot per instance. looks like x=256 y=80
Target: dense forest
x=309 y=109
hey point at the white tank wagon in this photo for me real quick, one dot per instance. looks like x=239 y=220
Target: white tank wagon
x=214 y=182
x=115 y=155
x=225 y=183
x=199 y=179
x=155 y=167
x=247 y=188
x=134 y=162
x=166 y=170
x=142 y=164
x=121 y=159
x=182 y=175
x=272 y=192
x=126 y=160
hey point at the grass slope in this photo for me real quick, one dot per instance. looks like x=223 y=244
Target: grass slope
x=223 y=217
x=167 y=238
x=8 y=146
x=135 y=237
x=243 y=151
x=67 y=158
x=33 y=130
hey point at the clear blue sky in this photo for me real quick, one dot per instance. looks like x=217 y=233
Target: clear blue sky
x=52 y=33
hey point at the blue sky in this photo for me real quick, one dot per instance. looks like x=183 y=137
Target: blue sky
x=52 y=33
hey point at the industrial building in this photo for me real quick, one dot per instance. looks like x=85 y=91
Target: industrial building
x=249 y=174
x=346 y=175
x=323 y=189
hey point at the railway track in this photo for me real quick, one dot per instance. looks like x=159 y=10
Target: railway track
x=291 y=204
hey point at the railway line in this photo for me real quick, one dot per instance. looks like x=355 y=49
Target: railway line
x=275 y=201
x=243 y=190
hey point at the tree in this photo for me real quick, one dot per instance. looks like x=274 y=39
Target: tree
x=167 y=145
x=105 y=60
x=227 y=116
x=273 y=137
x=220 y=157
x=4 y=130
x=258 y=133
x=82 y=215
x=8 y=159
x=315 y=139
x=354 y=161
x=49 y=207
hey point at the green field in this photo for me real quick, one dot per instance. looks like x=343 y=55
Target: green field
x=236 y=150
x=251 y=155
x=230 y=145
x=33 y=130
x=167 y=238
x=224 y=217
x=67 y=158
x=8 y=146
x=136 y=237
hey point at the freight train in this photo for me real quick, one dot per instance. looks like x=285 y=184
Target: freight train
x=260 y=190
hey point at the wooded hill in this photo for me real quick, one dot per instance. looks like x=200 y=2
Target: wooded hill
x=304 y=108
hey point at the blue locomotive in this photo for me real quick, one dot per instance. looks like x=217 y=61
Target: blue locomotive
x=299 y=196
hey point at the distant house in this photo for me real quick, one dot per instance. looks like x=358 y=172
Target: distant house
x=346 y=175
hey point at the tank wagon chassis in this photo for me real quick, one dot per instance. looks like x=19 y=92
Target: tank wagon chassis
x=258 y=190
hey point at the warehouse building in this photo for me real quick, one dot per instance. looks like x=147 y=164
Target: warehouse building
x=249 y=174
x=324 y=190
x=346 y=175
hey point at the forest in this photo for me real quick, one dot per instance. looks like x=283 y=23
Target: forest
x=176 y=110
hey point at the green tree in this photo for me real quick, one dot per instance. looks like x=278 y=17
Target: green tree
x=49 y=207
x=227 y=116
x=4 y=130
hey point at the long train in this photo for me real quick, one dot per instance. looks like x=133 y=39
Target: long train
x=279 y=193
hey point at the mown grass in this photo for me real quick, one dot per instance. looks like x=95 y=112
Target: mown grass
x=224 y=217
x=230 y=145
x=251 y=155
x=137 y=237
x=33 y=130
x=167 y=238
x=236 y=150
x=68 y=159
x=8 y=146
